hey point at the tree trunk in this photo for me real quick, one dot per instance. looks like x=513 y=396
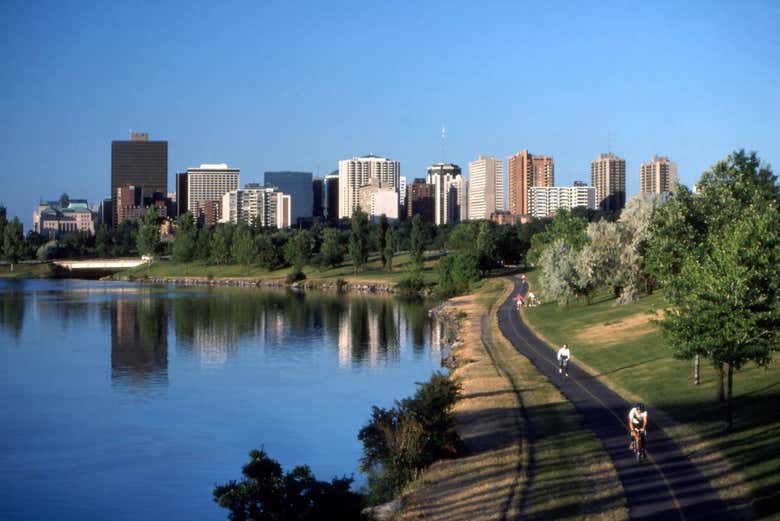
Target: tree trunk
x=721 y=393
x=696 y=369
x=729 y=408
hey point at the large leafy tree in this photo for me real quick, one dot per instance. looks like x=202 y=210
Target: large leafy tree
x=244 y=248
x=13 y=241
x=358 y=239
x=417 y=240
x=389 y=248
x=331 y=252
x=148 y=238
x=718 y=253
x=184 y=241
x=298 y=250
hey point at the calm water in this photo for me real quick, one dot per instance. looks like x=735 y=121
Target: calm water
x=120 y=401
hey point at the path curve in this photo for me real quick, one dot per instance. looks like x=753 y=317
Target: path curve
x=667 y=486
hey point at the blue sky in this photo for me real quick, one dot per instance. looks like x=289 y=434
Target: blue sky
x=299 y=85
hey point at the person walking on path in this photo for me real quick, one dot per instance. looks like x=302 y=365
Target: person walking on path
x=564 y=355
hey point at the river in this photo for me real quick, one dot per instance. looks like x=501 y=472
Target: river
x=127 y=402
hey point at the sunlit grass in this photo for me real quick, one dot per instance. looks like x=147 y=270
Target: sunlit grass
x=639 y=361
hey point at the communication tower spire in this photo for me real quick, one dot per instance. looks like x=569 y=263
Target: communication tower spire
x=443 y=141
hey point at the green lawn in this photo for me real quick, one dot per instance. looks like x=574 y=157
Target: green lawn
x=373 y=271
x=25 y=271
x=622 y=346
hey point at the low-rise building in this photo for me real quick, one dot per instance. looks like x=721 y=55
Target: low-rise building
x=52 y=221
x=544 y=201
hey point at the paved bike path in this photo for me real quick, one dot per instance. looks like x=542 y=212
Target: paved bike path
x=667 y=486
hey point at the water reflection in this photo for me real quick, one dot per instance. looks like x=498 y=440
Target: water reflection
x=139 y=342
x=366 y=330
x=12 y=312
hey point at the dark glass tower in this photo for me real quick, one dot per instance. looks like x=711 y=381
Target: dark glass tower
x=299 y=187
x=139 y=162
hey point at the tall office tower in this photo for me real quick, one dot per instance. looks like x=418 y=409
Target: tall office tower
x=265 y=206
x=356 y=172
x=401 y=197
x=545 y=201
x=332 y=196
x=208 y=183
x=181 y=194
x=608 y=177
x=318 y=197
x=658 y=176
x=298 y=186
x=419 y=200
x=486 y=187
x=139 y=162
x=524 y=171
x=462 y=195
x=445 y=180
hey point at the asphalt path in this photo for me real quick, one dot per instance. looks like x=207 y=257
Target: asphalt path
x=667 y=485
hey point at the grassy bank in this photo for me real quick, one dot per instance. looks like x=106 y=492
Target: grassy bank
x=624 y=347
x=527 y=453
x=26 y=271
x=372 y=272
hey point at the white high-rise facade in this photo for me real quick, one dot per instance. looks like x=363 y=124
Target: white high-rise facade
x=263 y=206
x=357 y=172
x=486 y=187
x=657 y=176
x=608 y=177
x=446 y=179
x=544 y=201
x=209 y=183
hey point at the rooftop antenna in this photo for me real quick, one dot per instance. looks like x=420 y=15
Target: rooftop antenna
x=443 y=141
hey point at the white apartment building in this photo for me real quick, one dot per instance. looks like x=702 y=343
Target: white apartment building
x=357 y=172
x=264 y=206
x=486 y=187
x=657 y=176
x=377 y=200
x=447 y=182
x=209 y=183
x=544 y=201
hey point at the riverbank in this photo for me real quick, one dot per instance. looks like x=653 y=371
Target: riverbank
x=517 y=429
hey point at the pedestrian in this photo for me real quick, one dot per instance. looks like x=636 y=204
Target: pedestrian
x=564 y=355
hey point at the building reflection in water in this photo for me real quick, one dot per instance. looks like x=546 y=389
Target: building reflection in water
x=139 y=342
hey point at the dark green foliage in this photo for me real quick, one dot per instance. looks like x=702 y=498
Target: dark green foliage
x=417 y=240
x=382 y=239
x=269 y=251
x=185 y=238
x=401 y=441
x=221 y=244
x=268 y=494
x=456 y=272
x=358 y=239
x=388 y=250
x=148 y=238
x=13 y=241
x=564 y=226
x=103 y=241
x=486 y=247
x=124 y=238
x=295 y=276
x=203 y=245
x=298 y=249
x=331 y=251
x=244 y=248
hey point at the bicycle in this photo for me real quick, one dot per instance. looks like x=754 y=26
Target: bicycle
x=563 y=366
x=639 y=438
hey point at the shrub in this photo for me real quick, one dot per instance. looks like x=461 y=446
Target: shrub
x=295 y=276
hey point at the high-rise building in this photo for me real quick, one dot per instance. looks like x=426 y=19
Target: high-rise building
x=608 y=177
x=332 y=196
x=298 y=186
x=182 y=205
x=419 y=200
x=401 y=197
x=139 y=162
x=486 y=187
x=446 y=179
x=524 y=171
x=356 y=172
x=658 y=176
x=267 y=207
x=318 y=197
x=206 y=183
x=544 y=201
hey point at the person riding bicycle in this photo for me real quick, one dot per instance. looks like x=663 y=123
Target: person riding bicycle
x=637 y=423
x=563 y=359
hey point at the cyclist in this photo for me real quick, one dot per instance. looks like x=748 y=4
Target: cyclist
x=563 y=359
x=637 y=423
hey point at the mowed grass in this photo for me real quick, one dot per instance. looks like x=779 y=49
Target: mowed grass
x=26 y=271
x=621 y=344
x=372 y=272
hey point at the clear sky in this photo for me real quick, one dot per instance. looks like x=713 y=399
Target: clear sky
x=298 y=85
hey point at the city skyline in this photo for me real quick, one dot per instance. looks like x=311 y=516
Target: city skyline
x=67 y=96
